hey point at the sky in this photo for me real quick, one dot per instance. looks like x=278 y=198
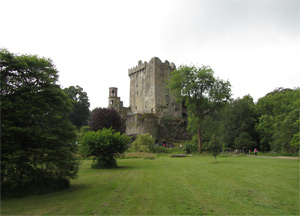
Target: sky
x=253 y=44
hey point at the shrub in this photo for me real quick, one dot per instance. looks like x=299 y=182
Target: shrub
x=104 y=145
x=37 y=186
x=161 y=149
x=143 y=143
x=191 y=145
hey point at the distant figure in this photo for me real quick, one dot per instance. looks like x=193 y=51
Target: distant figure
x=164 y=144
x=180 y=146
x=255 y=152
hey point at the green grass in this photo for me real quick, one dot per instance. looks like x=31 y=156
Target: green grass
x=172 y=186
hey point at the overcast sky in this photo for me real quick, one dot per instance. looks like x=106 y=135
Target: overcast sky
x=253 y=44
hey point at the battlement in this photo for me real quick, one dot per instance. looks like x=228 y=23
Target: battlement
x=137 y=68
x=142 y=65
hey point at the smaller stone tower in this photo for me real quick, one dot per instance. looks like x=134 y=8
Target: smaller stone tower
x=115 y=102
x=113 y=99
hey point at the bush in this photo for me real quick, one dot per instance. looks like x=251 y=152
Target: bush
x=161 y=149
x=37 y=186
x=192 y=145
x=104 y=145
x=143 y=143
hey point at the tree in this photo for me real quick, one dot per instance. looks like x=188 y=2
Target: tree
x=215 y=146
x=265 y=129
x=80 y=113
x=37 y=139
x=202 y=92
x=104 y=145
x=238 y=123
x=295 y=142
x=244 y=141
x=106 y=118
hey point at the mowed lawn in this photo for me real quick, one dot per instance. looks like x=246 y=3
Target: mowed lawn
x=173 y=186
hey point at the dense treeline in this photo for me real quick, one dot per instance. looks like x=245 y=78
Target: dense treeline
x=278 y=124
x=271 y=124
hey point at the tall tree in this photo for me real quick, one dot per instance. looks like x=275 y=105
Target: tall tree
x=106 y=118
x=80 y=113
x=37 y=138
x=238 y=124
x=203 y=92
x=278 y=119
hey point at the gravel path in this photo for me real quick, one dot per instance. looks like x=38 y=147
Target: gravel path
x=278 y=157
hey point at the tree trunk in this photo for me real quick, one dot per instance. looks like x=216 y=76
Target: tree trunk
x=199 y=141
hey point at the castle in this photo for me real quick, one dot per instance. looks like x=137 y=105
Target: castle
x=152 y=108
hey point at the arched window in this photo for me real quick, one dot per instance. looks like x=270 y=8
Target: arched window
x=111 y=102
x=113 y=93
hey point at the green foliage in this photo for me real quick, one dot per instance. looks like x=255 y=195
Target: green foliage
x=106 y=118
x=143 y=143
x=265 y=131
x=279 y=119
x=244 y=141
x=203 y=92
x=215 y=146
x=238 y=123
x=84 y=129
x=104 y=145
x=161 y=149
x=41 y=185
x=295 y=142
x=37 y=138
x=191 y=146
x=80 y=113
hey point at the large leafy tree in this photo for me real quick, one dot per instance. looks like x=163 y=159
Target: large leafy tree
x=202 y=91
x=106 y=118
x=80 y=113
x=37 y=138
x=238 y=124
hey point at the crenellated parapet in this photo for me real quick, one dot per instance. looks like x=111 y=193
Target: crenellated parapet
x=142 y=65
x=139 y=67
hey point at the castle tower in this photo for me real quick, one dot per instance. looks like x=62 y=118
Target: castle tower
x=113 y=97
x=115 y=102
x=148 y=92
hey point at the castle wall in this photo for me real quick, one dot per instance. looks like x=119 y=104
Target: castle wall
x=141 y=124
x=165 y=102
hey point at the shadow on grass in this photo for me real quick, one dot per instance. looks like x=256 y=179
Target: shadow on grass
x=76 y=187
x=126 y=168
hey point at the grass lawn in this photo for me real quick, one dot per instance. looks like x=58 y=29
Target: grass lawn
x=172 y=186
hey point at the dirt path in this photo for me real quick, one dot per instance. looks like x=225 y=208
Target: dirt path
x=278 y=157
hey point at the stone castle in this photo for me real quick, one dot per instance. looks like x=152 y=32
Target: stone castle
x=152 y=108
